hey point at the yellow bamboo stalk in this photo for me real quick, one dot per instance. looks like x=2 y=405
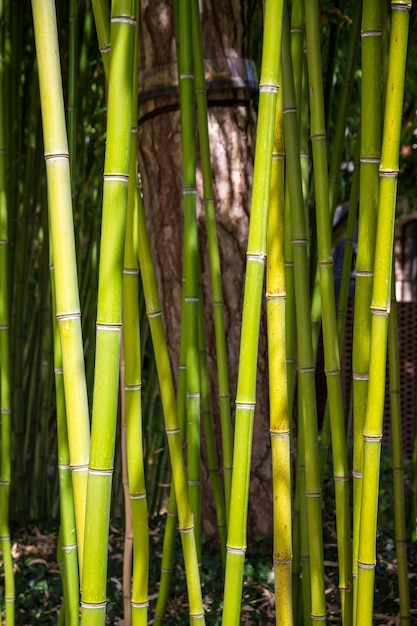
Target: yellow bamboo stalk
x=61 y=223
x=380 y=308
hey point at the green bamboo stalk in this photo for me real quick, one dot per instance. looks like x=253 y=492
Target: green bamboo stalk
x=368 y=207
x=209 y=438
x=172 y=429
x=306 y=381
x=102 y=22
x=128 y=529
x=33 y=162
x=279 y=416
x=398 y=462
x=214 y=259
x=191 y=265
x=256 y=251
x=109 y=314
x=67 y=299
x=343 y=300
x=5 y=373
x=343 y=106
x=330 y=341
x=380 y=308
x=132 y=381
x=72 y=90
x=68 y=537
x=167 y=556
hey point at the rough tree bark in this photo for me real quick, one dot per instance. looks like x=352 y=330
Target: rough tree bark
x=232 y=148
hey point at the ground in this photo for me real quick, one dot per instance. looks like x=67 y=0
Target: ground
x=38 y=586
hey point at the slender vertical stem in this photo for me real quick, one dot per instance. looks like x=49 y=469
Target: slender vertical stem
x=62 y=232
x=331 y=344
x=256 y=250
x=368 y=209
x=279 y=420
x=381 y=292
x=109 y=314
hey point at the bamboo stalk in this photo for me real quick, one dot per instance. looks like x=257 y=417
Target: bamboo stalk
x=132 y=381
x=330 y=341
x=256 y=250
x=189 y=317
x=68 y=537
x=279 y=416
x=109 y=314
x=368 y=207
x=5 y=371
x=67 y=299
x=372 y=433
x=214 y=260
x=306 y=381
x=398 y=462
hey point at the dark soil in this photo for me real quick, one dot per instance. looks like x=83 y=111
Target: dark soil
x=38 y=585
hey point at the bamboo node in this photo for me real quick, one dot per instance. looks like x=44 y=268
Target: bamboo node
x=238 y=551
x=364 y=565
x=289 y=110
x=357 y=474
x=108 y=327
x=139 y=605
x=123 y=19
x=115 y=178
x=372 y=438
x=91 y=605
x=371 y=33
x=268 y=88
x=258 y=258
x=100 y=472
x=172 y=431
x=137 y=496
x=133 y=387
x=194 y=616
x=194 y=483
x=245 y=406
x=341 y=479
x=305 y=369
x=360 y=376
x=131 y=270
x=185 y=531
x=371 y=160
x=64 y=156
x=318 y=136
x=388 y=173
x=189 y=191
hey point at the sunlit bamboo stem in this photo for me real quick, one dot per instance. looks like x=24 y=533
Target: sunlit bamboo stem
x=61 y=223
x=279 y=417
x=256 y=250
x=305 y=358
x=109 y=315
x=381 y=293
x=368 y=207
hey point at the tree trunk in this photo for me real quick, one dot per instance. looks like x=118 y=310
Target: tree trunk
x=231 y=128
